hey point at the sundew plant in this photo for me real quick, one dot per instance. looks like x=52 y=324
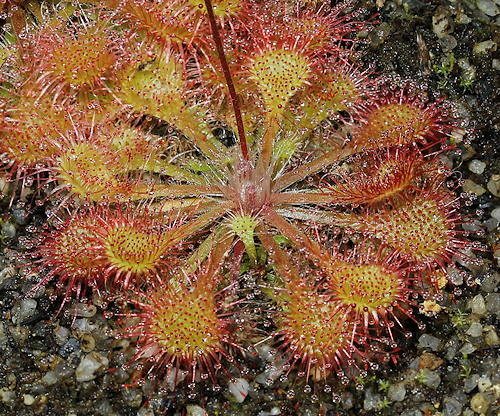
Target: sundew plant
x=229 y=173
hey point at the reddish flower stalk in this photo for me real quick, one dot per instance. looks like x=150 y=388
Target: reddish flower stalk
x=229 y=80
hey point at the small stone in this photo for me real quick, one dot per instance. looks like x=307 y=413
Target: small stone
x=428 y=341
x=491 y=282
x=429 y=378
x=455 y=276
x=478 y=403
x=448 y=43
x=491 y=224
x=477 y=305
x=467 y=348
x=28 y=399
x=496 y=213
x=430 y=361
x=61 y=335
x=8 y=230
x=195 y=410
x=7 y=273
x=430 y=307
x=396 y=392
x=372 y=400
x=20 y=216
x=462 y=19
x=488 y=7
x=63 y=370
x=239 y=389
x=50 y=378
x=7 y=396
x=132 y=397
x=477 y=166
x=493 y=185
x=83 y=310
x=491 y=336
x=22 y=310
x=89 y=365
x=451 y=407
x=85 y=325
x=475 y=329
x=470 y=383
x=485 y=47
x=484 y=383
x=493 y=303
x=472 y=187
x=442 y=23
x=87 y=343
x=73 y=345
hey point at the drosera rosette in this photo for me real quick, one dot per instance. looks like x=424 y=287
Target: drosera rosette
x=323 y=148
x=182 y=330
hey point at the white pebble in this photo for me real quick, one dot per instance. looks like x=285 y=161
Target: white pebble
x=22 y=310
x=396 y=392
x=6 y=273
x=62 y=335
x=488 y=7
x=273 y=412
x=475 y=329
x=50 y=378
x=7 y=396
x=483 y=383
x=467 y=348
x=428 y=341
x=239 y=389
x=476 y=166
x=496 y=213
x=478 y=305
x=89 y=365
x=473 y=188
x=195 y=410
x=83 y=310
x=484 y=47
x=85 y=325
x=493 y=185
x=478 y=403
x=28 y=399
